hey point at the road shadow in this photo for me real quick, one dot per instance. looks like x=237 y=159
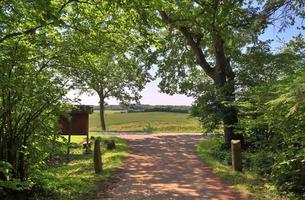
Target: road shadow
x=165 y=167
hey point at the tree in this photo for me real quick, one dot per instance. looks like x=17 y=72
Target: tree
x=107 y=57
x=31 y=90
x=207 y=35
x=108 y=76
x=30 y=97
x=204 y=39
x=21 y=18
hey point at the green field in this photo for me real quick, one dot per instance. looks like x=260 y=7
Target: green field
x=146 y=121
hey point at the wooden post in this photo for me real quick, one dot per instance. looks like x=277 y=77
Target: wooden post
x=97 y=157
x=236 y=155
x=87 y=141
x=69 y=141
x=68 y=151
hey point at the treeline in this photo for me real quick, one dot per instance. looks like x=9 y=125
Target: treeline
x=159 y=108
x=111 y=107
x=148 y=108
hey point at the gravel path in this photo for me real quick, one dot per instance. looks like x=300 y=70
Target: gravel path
x=165 y=167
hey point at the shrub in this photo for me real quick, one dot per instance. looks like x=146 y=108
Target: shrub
x=260 y=162
x=288 y=173
x=274 y=125
x=220 y=152
x=148 y=128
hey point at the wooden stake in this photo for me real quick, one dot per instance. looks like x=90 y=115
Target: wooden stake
x=68 y=151
x=87 y=146
x=236 y=155
x=97 y=157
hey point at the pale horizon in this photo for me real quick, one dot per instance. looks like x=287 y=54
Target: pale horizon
x=151 y=95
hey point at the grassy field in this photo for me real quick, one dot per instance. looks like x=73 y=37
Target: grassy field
x=76 y=179
x=146 y=121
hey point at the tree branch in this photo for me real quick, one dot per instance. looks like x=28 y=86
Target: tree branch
x=26 y=32
x=33 y=29
x=269 y=9
x=200 y=57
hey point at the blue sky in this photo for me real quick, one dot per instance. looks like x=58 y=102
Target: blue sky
x=152 y=95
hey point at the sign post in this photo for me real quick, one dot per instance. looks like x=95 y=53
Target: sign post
x=76 y=122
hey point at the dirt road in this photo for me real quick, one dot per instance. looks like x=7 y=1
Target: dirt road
x=165 y=167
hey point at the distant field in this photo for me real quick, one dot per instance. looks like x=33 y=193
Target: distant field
x=146 y=121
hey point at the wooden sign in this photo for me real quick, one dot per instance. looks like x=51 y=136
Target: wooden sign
x=77 y=121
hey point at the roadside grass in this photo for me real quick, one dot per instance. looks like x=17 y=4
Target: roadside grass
x=247 y=183
x=139 y=122
x=76 y=179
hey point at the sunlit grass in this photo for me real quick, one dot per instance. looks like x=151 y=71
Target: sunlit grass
x=158 y=121
x=76 y=179
x=249 y=184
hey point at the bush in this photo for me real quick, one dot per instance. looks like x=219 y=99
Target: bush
x=260 y=162
x=274 y=126
x=258 y=155
x=220 y=152
x=288 y=173
x=148 y=128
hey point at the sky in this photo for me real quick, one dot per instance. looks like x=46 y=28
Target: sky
x=151 y=93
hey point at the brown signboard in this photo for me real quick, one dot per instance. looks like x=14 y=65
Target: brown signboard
x=77 y=121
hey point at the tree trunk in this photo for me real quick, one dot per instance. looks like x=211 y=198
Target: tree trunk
x=229 y=122
x=12 y=157
x=228 y=112
x=22 y=167
x=224 y=78
x=102 y=113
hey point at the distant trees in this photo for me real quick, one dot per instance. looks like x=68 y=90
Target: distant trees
x=158 y=108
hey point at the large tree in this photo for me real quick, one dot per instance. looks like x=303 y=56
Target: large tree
x=198 y=50
x=207 y=35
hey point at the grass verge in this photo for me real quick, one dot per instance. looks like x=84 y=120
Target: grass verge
x=248 y=183
x=76 y=179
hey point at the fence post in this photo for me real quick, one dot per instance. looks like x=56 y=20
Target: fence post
x=97 y=157
x=236 y=155
x=87 y=144
x=68 y=150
